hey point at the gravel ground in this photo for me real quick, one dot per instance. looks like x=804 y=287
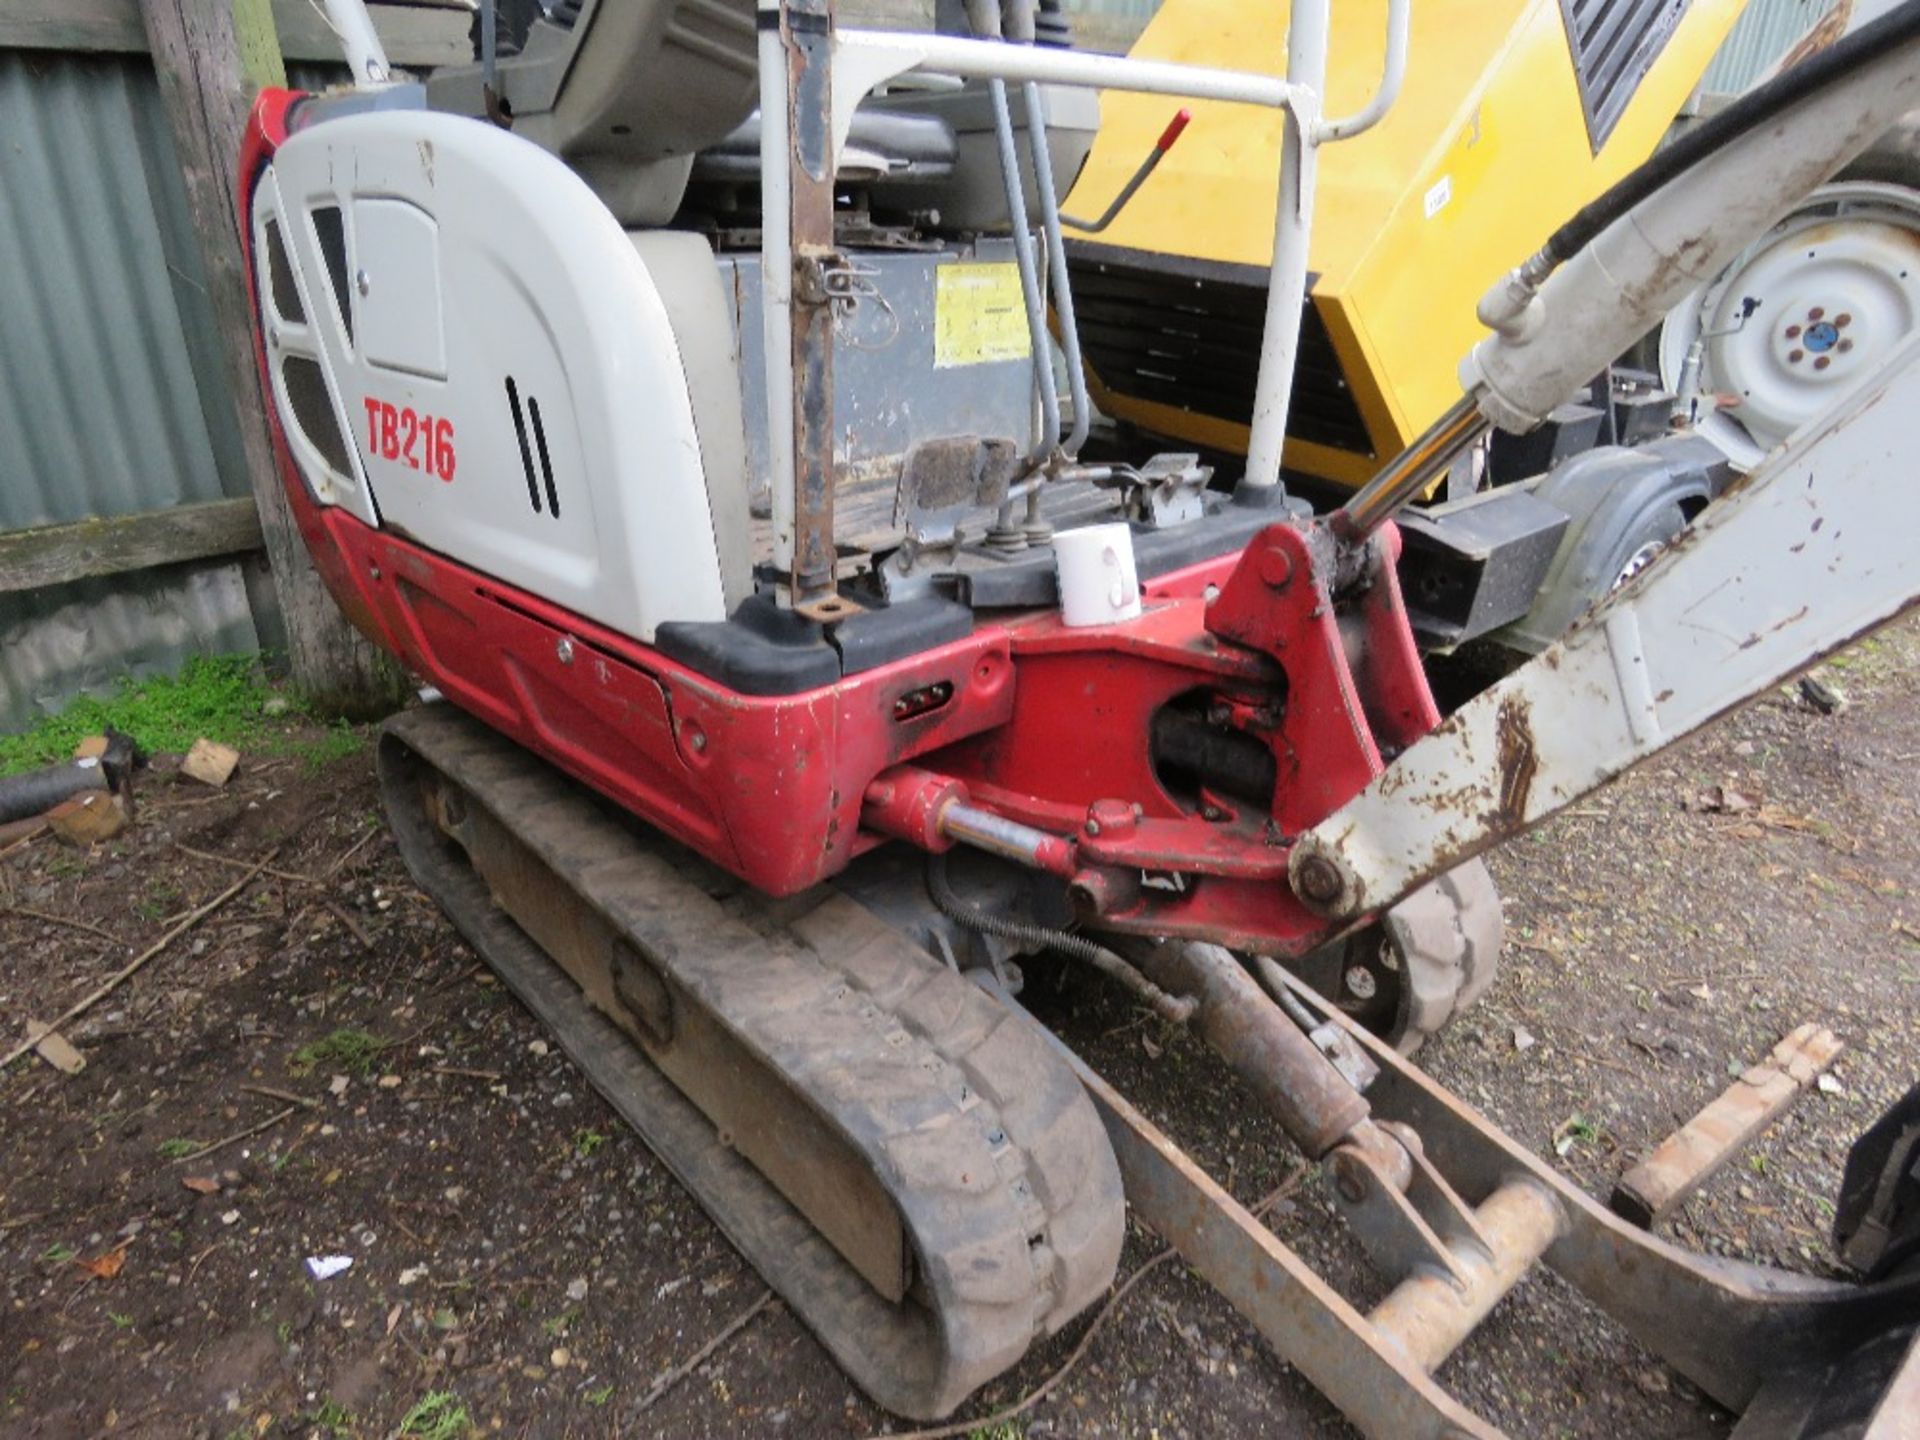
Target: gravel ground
x=518 y=1258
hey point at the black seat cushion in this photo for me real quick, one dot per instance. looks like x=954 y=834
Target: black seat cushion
x=911 y=147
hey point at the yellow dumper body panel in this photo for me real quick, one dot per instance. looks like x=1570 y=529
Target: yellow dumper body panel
x=1514 y=114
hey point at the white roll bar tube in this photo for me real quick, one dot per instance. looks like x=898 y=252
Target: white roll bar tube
x=776 y=279
x=1292 y=224
x=990 y=59
x=875 y=55
x=1393 y=75
x=366 y=56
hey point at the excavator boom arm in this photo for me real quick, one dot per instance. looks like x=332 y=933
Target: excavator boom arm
x=1814 y=550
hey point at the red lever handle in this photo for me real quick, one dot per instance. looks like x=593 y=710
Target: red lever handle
x=1172 y=132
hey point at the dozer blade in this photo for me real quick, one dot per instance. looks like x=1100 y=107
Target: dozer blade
x=910 y=1166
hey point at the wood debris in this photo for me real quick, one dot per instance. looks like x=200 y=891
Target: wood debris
x=88 y=818
x=210 y=762
x=54 y=1048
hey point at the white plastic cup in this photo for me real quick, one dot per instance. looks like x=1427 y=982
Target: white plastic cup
x=1098 y=582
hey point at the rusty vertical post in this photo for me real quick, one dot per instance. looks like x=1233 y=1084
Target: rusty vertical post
x=806 y=34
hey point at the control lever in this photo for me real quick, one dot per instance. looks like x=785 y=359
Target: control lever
x=1147 y=167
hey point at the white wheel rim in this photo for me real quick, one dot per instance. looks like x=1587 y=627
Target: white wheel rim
x=1816 y=303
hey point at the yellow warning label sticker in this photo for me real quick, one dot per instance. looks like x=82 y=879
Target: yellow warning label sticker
x=977 y=315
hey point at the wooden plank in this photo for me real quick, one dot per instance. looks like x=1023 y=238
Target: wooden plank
x=1690 y=1156
x=110 y=25
x=416 y=38
x=198 y=55
x=56 y=554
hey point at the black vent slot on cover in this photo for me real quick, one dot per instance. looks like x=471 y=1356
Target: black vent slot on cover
x=286 y=294
x=313 y=411
x=521 y=415
x=1186 y=334
x=330 y=229
x=1614 y=44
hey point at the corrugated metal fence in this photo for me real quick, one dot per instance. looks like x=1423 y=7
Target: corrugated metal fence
x=1761 y=36
x=113 y=400
x=114 y=396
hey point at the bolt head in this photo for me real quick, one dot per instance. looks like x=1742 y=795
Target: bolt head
x=1276 y=568
x=362 y=282
x=1349 y=1178
x=563 y=650
x=1110 y=817
x=1319 y=880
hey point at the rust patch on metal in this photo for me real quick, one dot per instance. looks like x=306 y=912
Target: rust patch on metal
x=1829 y=29
x=1518 y=759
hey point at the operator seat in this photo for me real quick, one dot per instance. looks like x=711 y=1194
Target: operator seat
x=625 y=91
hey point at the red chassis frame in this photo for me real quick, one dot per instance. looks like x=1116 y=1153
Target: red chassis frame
x=1038 y=723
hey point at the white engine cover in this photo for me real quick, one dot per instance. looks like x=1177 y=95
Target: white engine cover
x=497 y=358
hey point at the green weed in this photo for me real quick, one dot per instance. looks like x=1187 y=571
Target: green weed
x=120 y=1322
x=588 y=1141
x=58 y=1251
x=436 y=1416
x=600 y=1396
x=161 y=900
x=336 y=742
x=332 y=1417
x=178 y=1149
x=351 y=1050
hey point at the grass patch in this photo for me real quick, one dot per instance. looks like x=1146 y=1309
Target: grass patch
x=215 y=696
x=353 y=1051
x=436 y=1416
x=178 y=1149
x=220 y=697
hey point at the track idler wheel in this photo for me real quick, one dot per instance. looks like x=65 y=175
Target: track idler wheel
x=1422 y=964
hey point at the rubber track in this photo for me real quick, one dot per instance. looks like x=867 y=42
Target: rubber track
x=981 y=1136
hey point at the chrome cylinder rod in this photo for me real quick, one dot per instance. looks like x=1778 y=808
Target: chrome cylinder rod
x=1410 y=472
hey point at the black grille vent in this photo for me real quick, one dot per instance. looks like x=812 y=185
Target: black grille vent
x=1614 y=44
x=1186 y=333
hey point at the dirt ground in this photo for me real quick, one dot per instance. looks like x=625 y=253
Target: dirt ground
x=519 y=1258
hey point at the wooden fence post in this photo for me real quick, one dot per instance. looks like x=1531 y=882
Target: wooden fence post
x=211 y=57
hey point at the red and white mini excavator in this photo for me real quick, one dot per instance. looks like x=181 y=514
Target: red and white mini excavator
x=672 y=390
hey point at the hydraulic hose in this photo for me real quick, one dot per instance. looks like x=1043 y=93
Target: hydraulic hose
x=1748 y=113
x=1177 y=1008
